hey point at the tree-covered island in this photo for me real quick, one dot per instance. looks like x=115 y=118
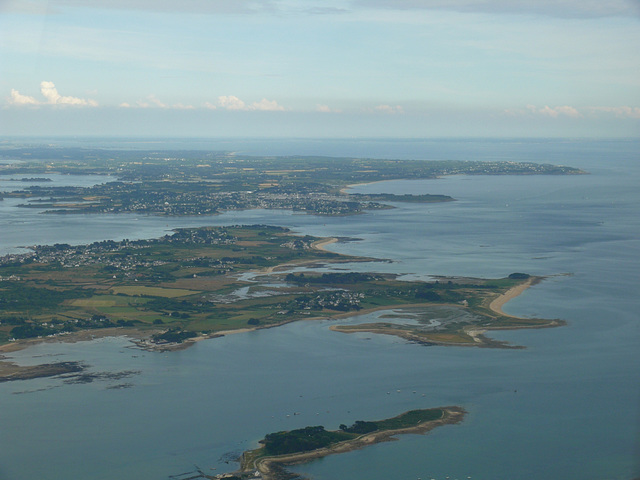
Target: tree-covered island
x=302 y=445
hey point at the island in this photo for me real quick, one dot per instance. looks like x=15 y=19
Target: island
x=294 y=447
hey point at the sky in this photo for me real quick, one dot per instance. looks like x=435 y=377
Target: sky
x=320 y=68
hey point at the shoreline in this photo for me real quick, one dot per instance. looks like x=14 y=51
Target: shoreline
x=321 y=244
x=474 y=332
x=140 y=337
x=344 y=189
x=497 y=303
x=270 y=467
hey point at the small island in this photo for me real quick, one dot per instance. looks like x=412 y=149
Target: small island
x=302 y=445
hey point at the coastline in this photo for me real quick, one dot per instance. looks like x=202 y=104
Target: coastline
x=469 y=335
x=475 y=335
x=139 y=337
x=344 y=189
x=497 y=303
x=321 y=244
x=271 y=467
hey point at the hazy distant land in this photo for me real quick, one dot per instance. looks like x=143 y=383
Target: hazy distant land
x=193 y=284
x=205 y=183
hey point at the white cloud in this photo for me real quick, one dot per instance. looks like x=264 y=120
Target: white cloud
x=210 y=106
x=557 y=111
x=52 y=97
x=181 y=106
x=154 y=102
x=389 y=109
x=547 y=111
x=19 y=99
x=267 y=105
x=50 y=92
x=622 y=112
x=327 y=109
x=568 y=111
x=231 y=102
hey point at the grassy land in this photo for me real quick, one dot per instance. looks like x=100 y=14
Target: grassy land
x=190 y=281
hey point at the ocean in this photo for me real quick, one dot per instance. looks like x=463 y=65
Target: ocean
x=565 y=407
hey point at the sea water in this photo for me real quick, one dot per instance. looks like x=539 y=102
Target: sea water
x=565 y=407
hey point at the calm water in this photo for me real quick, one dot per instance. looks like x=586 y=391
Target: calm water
x=567 y=407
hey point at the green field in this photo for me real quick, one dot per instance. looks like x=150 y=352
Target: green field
x=140 y=290
x=189 y=281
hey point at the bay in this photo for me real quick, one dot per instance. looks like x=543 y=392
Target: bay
x=565 y=407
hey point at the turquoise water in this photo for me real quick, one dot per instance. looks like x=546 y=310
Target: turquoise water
x=565 y=407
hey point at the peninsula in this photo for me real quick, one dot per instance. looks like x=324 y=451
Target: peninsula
x=205 y=282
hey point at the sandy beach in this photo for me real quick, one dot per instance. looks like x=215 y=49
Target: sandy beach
x=320 y=244
x=498 y=302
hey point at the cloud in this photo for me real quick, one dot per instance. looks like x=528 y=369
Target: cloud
x=52 y=97
x=154 y=102
x=621 y=112
x=267 y=105
x=18 y=99
x=389 y=109
x=326 y=109
x=550 y=8
x=567 y=111
x=50 y=92
x=225 y=102
x=547 y=111
x=231 y=102
x=557 y=111
x=181 y=106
